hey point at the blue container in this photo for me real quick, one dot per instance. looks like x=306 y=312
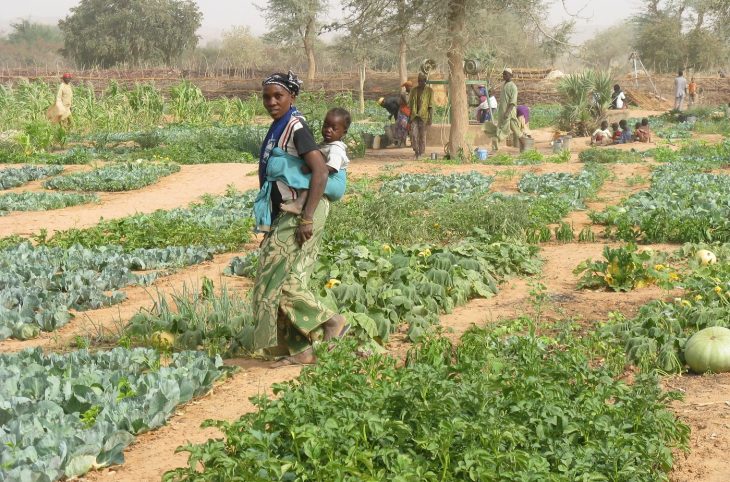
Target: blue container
x=482 y=154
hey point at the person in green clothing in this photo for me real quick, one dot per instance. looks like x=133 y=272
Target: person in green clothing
x=421 y=114
x=507 y=123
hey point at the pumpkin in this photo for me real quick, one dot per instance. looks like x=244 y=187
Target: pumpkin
x=708 y=350
x=162 y=340
x=706 y=257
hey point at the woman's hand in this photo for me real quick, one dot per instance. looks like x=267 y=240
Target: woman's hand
x=304 y=233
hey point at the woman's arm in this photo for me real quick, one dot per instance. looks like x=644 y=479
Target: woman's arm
x=316 y=163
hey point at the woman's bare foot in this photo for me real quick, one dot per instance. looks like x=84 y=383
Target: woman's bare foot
x=291 y=207
x=306 y=357
x=335 y=327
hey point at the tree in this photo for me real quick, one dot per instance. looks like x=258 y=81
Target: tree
x=29 y=33
x=456 y=34
x=110 y=32
x=383 y=20
x=295 y=21
x=609 y=47
x=684 y=33
x=242 y=48
x=557 y=43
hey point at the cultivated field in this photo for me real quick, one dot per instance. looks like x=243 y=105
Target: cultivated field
x=519 y=318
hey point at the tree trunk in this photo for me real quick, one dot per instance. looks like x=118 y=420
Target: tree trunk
x=402 y=58
x=403 y=44
x=457 y=79
x=361 y=68
x=309 y=50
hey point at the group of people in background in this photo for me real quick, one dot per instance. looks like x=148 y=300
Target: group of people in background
x=412 y=110
x=621 y=133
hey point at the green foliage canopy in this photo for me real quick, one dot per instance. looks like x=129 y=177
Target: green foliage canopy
x=106 y=32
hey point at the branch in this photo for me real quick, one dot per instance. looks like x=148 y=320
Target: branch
x=576 y=14
x=542 y=31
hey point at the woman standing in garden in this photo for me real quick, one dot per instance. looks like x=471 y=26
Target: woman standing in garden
x=289 y=251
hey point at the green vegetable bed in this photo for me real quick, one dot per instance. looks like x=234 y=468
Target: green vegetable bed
x=42 y=201
x=14 y=177
x=114 y=177
x=62 y=415
x=38 y=285
x=520 y=407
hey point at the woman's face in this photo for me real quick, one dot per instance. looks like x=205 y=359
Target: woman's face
x=277 y=100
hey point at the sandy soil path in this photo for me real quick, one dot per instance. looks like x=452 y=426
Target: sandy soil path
x=172 y=191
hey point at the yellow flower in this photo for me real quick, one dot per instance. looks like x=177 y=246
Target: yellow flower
x=658 y=267
x=718 y=290
x=608 y=278
x=640 y=284
x=436 y=225
x=425 y=253
x=673 y=277
x=698 y=298
x=387 y=248
x=686 y=303
x=332 y=283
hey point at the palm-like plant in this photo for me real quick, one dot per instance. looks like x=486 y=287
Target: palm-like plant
x=586 y=98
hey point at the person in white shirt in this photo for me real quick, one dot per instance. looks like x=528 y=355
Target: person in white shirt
x=618 y=98
x=680 y=88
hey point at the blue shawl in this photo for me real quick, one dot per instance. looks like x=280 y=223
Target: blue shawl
x=272 y=139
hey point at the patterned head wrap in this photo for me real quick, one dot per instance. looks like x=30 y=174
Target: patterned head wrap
x=289 y=81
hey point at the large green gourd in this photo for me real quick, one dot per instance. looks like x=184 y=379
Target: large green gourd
x=708 y=350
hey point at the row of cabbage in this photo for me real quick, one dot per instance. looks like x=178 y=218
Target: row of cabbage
x=687 y=201
x=62 y=415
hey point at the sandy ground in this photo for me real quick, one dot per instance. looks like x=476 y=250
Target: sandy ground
x=706 y=407
x=172 y=191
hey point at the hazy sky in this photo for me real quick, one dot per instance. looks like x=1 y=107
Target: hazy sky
x=221 y=14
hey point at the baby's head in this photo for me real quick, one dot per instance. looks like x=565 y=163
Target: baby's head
x=614 y=126
x=645 y=122
x=623 y=124
x=335 y=124
x=637 y=125
x=604 y=125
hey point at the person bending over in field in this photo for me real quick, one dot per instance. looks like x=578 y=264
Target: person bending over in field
x=335 y=126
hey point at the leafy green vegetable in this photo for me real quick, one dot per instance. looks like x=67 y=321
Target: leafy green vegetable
x=495 y=407
x=38 y=285
x=573 y=188
x=42 y=201
x=61 y=415
x=218 y=222
x=14 y=177
x=430 y=186
x=381 y=286
x=113 y=177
